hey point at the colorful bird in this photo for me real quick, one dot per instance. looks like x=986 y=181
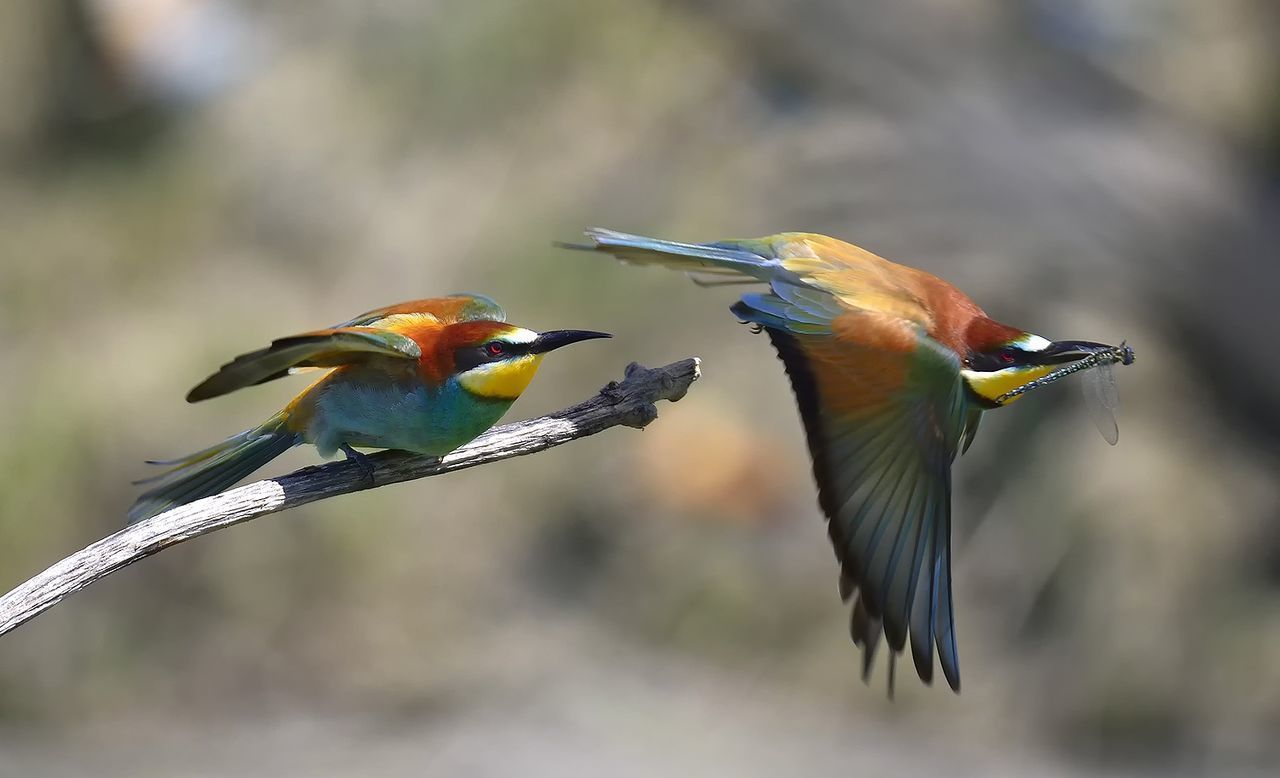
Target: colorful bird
x=892 y=369
x=424 y=376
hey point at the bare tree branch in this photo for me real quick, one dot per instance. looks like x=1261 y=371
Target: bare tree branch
x=629 y=403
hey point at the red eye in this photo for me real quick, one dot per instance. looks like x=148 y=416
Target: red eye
x=1006 y=357
x=494 y=349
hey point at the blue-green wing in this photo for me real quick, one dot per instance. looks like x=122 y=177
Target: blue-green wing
x=318 y=349
x=884 y=415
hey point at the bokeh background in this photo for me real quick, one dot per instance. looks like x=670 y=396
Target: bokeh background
x=181 y=180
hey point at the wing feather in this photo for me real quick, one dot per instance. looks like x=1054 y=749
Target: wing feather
x=882 y=461
x=894 y=603
x=921 y=592
x=944 y=625
x=322 y=348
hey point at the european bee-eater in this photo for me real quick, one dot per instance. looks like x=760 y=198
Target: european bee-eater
x=892 y=369
x=424 y=376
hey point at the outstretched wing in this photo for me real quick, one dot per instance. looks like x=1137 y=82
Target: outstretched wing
x=885 y=413
x=322 y=348
x=384 y=333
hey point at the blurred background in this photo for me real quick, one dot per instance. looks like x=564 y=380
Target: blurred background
x=181 y=180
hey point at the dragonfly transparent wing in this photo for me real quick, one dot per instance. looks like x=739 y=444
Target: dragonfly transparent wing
x=1100 y=398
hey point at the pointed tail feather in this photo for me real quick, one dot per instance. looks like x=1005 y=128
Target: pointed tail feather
x=725 y=258
x=213 y=469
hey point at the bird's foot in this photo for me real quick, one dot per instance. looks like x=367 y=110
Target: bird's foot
x=363 y=462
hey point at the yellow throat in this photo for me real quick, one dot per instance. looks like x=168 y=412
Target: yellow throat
x=993 y=385
x=505 y=380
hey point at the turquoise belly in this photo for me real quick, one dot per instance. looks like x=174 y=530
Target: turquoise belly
x=404 y=414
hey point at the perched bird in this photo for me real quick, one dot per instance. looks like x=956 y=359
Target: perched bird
x=892 y=369
x=424 y=376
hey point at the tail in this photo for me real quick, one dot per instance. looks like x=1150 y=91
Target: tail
x=743 y=258
x=212 y=470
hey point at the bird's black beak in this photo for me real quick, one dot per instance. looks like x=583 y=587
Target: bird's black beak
x=1065 y=351
x=550 y=341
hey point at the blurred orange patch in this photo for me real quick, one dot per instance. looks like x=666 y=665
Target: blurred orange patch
x=715 y=465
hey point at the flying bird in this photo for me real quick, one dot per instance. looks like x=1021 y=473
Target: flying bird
x=892 y=369
x=424 y=376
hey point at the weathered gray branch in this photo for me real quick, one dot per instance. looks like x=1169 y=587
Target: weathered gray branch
x=629 y=403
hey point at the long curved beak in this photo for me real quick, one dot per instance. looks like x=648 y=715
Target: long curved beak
x=550 y=341
x=1064 y=351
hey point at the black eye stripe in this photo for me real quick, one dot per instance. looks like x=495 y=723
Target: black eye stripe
x=515 y=349
x=1012 y=356
x=473 y=356
x=986 y=362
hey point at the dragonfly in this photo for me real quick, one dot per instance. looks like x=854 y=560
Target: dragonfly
x=1099 y=386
